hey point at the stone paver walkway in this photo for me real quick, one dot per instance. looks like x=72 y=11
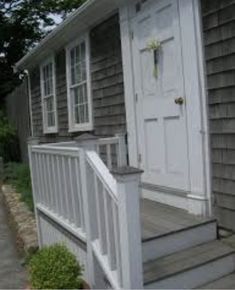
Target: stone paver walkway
x=12 y=274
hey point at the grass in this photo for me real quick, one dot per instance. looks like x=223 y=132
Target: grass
x=18 y=175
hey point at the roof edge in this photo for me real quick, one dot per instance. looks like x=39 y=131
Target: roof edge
x=20 y=65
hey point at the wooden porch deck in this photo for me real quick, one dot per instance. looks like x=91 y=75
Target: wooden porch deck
x=159 y=219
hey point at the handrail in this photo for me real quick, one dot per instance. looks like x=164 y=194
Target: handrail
x=102 y=171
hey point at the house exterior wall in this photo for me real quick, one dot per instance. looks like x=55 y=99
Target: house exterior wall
x=219 y=39
x=106 y=85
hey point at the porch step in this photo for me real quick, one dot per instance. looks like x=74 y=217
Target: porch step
x=227 y=282
x=166 y=230
x=190 y=268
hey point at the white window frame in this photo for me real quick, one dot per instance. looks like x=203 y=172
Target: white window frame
x=75 y=127
x=49 y=129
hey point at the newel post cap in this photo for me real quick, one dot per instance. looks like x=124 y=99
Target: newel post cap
x=127 y=173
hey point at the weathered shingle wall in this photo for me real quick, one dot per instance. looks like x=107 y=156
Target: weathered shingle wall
x=219 y=38
x=107 y=86
x=107 y=78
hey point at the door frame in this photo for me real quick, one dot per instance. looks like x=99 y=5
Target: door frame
x=199 y=196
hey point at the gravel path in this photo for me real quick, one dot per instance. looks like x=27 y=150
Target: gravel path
x=12 y=274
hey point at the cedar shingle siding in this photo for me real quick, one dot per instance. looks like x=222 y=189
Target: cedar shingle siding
x=107 y=86
x=219 y=38
x=107 y=78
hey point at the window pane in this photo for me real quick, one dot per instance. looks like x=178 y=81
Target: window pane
x=50 y=104
x=51 y=119
x=77 y=115
x=76 y=94
x=78 y=78
x=83 y=71
x=86 y=114
x=48 y=79
x=83 y=51
x=78 y=64
x=72 y=57
x=80 y=104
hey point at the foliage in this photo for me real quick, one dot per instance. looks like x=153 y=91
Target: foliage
x=55 y=267
x=18 y=175
x=22 y=24
x=9 y=146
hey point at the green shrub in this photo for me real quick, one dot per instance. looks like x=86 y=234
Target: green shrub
x=9 y=143
x=18 y=175
x=55 y=267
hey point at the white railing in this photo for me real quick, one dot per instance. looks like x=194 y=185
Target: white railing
x=75 y=188
x=112 y=150
x=57 y=184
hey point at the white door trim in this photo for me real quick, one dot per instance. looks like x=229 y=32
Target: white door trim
x=191 y=33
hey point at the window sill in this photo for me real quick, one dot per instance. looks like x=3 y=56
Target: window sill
x=81 y=128
x=50 y=131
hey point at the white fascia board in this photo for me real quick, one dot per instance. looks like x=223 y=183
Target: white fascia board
x=87 y=15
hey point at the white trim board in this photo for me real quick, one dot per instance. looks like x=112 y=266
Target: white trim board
x=196 y=109
x=46 y=128
x=73 y=127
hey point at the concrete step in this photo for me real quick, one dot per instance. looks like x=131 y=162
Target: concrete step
x=227 y=282
x=166 y=230
x=190 y=268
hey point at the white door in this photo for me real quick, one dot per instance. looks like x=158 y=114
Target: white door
x=160 y=98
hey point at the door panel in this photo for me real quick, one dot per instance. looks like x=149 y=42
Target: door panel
x=162 y=124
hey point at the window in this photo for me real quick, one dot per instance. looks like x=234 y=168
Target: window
x=47 y=73
x=78 y=86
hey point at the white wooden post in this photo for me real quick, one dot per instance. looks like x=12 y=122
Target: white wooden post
x=87 y=142
x=128 y=180
x=122 y=150
x=31 y=142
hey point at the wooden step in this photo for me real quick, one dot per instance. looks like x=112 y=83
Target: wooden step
x=190 y=268
x=227 y=282
x=166 y=230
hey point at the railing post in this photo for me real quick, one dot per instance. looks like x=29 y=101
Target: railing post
x=87 y=142
x=122 y=150
x=128 y=180
x=31 y=142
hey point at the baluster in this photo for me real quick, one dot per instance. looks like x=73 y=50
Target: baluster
x=109 y=230
x=73 y=201
x=43 y=201
x=79 y=194
x=109 y=156
x=45 y=181
x=60 y=186
x=35 y=176
x=100 y=212
x=55 y=183
x=49 y=184
x=65 y=193
x=117 y=241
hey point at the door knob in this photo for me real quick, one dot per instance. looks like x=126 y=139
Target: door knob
x=179 y=101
